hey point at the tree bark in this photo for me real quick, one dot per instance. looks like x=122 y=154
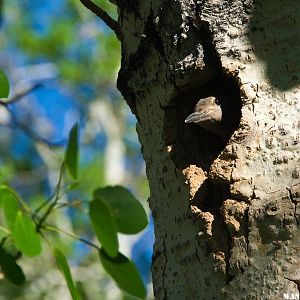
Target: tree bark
x=226 y=213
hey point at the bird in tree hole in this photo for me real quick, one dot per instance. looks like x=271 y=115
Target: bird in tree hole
x=208 y=114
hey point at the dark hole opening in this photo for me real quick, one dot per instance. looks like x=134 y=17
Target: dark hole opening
x=192 y=144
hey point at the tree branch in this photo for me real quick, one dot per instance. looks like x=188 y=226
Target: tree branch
x=26 y=130
x=20 y=95
x=72 y=235
x=104 y=16
x=52 y=205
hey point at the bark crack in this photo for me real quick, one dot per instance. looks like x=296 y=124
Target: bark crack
x=228 y=276
x=152 y=34
x=164 y=270
x=247 y=229
x=290 y=195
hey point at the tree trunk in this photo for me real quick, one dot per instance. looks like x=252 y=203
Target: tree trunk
x=226 y=211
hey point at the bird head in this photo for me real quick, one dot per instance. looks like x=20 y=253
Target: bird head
x=206 y=113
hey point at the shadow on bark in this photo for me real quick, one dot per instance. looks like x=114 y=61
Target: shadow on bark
x=274 y=33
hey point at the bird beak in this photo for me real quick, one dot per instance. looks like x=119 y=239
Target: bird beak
x=195 y=117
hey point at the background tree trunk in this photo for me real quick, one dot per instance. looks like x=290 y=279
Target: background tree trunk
x=226 y=213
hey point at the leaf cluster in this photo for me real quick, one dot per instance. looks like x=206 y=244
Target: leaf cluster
x=112 y=209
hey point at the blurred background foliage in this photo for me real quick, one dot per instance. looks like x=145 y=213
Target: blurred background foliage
x=75 y=57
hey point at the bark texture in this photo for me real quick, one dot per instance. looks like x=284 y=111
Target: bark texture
x=226 y=213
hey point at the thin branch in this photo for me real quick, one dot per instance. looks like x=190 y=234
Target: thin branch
x=72 y=235
x=52 y=205
x=104 y=16
x=44 y=203
x=20 y=95
x=72 y=203
x=21 y=201
x=28 y=132
x=24 y=127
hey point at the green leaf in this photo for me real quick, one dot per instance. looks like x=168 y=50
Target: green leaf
x=10 y=205
x=124 y=273
x=104 y=225
x=11 y=270
x=71 y=155
x=4 y=85
x=126 y=296
x=65 y=269
x=25 y=236
x=128 y=212
x=73 y=186
x=81 y=290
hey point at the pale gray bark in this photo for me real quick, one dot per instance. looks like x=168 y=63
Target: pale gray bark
x=226 y=215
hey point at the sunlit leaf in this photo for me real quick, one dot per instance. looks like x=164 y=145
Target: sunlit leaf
x=25 y=236
x=71 y=155
x=128 y=212
x=65 y=269
x=73 y=186
x=104 y=225
x=124 y=273
x=4 y=85
x=10 y=205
